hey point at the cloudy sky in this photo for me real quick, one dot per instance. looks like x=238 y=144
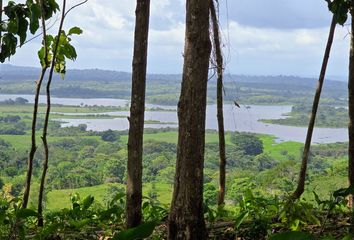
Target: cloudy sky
x=261 y=37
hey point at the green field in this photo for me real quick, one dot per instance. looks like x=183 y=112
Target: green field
x=278 y=150
x=59 y=199
x=171 y=137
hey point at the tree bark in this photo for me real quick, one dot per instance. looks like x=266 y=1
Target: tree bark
x=219 y=93
x=351 y=115
x=301 y=182
x=136 y=119
x=186 y=219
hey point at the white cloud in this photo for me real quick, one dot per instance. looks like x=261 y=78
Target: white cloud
x=107 y=41
x=276 y=51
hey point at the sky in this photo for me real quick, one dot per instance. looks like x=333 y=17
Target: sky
x=260 y=37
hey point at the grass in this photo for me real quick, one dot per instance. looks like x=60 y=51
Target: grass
x=59 y=199
x=324 y=186
x=22 y=142
x=172 y=136
x=282 y=150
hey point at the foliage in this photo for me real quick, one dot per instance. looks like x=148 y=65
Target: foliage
x=259 y=212
x=296 y=214
x=84 y=220
x=109 y=136
x=327 y=116
x=11 y=214
x=142 y=231
x=60 y=46
x=248 y=143
x=20 y=19
x=340 y=9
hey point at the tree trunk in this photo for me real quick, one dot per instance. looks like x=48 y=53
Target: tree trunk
x=351 y=115
x=219 y=92
x=47 y=113
x=136 y=119
x=186 y=219
x=33 y=140
x=301 y=182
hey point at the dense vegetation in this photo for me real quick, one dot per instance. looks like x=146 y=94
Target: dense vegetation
x=93 y=163
x=328 y=116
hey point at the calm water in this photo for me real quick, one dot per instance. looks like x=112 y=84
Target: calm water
x=79 y=101
x=244 y=119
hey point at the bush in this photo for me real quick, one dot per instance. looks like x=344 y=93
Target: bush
x=250 y=144
x=109 y=136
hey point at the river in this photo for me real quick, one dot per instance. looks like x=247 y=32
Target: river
x=244 y=119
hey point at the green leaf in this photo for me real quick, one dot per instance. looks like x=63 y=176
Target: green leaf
x=22 y=30
x=75 y=30
x=340 y=9
x=35 y=13
x=240 y=219
x=41 y=57
x=69 y=51
x=50 y=7
x=25 y=213
x=292 y=236
x=87 y=202
x=8 y=47
x=317 y=198
x=140 y=232
x=12 y=26
x=3 y=26
x=348 y=237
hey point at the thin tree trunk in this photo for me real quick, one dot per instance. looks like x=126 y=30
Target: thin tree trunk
x=186 y=220
x=351 y=115
x=136 y=119
x=219 y=93
x=33 y=139
x=46 y=119
x=301 y=182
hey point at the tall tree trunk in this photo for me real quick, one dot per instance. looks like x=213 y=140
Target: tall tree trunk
x=219 y=92
x=33 y=141
x=47 y=113
x=301 y=182
x=186 y=219
x=136 y=119
x=351 y=115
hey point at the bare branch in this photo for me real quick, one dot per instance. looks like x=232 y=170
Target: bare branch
x=75 y=6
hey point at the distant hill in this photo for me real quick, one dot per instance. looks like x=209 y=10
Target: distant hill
x=165 y=88
x=18 y=73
